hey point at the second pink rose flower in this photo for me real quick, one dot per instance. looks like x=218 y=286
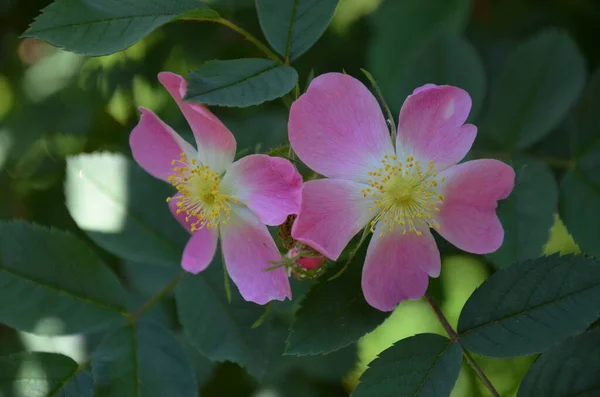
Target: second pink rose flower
x=337 y=128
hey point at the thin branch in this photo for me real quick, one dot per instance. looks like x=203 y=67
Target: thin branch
x=154 y=299
x=247 y=35
x=454 y=338
x=389 y=115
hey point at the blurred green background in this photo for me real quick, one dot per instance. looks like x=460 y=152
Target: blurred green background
x=54 y=104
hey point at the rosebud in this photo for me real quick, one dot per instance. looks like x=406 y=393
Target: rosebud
x=307 y=263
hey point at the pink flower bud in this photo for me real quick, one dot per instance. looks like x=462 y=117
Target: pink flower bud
x=307 y=262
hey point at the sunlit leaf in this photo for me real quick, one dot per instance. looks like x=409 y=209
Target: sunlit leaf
x=293 y=26
x=35 y=374
x=123 y=209
x=530 y=306
x=52 y=283
x=425 y=365
x=101 y=27
x=240 y=82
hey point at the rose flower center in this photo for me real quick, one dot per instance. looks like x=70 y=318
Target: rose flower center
x=405 y=195
x=200 y=195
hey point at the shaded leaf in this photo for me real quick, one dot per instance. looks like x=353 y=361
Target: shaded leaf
x=567 y=370
x=123 y=209
x=530 y=306
x=580 y=202
x=142 y=360
x=53 y=282
x=240 y=82
x=425 y=365
x=36 y=374
x=541 y=80
x=221 y=330
x=527 y=215
x=408 y=48
x=293 y=26
x=333 y=314
x=101 y=27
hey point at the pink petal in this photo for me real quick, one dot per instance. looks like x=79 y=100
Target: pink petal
x=249 y=249
x=430 y=126
x=332 y=212
x=398 y=266
x=337 y=128
x=270 y=186
x=467 y=216
x=154 y=145
x=200 y=250
x=216 y=144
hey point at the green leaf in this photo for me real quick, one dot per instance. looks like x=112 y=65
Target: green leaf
x=541 y=80
x=101 y=27
x=580 y=202
x=527 y=215
x=123 y=209
x=220 y=330
x=585 y=131
x=531 y=305
x=293 y=26
x=425 y=365
x=567 y=370
x=240 y=82
x=327 y=368
x=36 y=374
x=333 y=314
x=54 y=283
x=142 y=360
x=409 y=49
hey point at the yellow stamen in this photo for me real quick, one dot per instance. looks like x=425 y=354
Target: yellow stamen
x=405 y=195
x=201 y=198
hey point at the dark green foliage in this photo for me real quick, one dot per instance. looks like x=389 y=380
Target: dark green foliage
x=425 y=365
x=333 y=314
x=567 y=370
x=542 y=79
x=52 y=283
x=142 y=360
x=413 y=44
x=527 y=214
x=219 y=329
x=530 y=306
x=100 y=27
x=240 y=82
x=293 y=26
x=580 y=187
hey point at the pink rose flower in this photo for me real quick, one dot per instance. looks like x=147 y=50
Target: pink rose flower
x=218 y=197
x=337 y=128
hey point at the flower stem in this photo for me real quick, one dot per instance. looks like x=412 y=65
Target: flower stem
x=454 y=338
x=257 y=43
